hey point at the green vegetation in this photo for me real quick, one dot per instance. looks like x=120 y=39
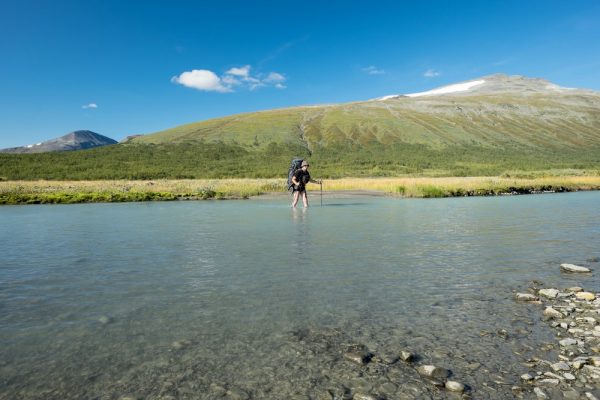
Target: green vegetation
x=209 y=160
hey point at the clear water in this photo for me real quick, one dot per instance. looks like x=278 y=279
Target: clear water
x=250 y=299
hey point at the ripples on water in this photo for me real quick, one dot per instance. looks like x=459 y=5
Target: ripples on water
x=192 y=300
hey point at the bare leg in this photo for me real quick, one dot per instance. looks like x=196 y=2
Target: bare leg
x=295 y=200
x=305 y=199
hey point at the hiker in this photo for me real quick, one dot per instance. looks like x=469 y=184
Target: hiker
x=299 y=180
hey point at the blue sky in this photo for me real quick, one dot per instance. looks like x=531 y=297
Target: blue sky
x=128 y=67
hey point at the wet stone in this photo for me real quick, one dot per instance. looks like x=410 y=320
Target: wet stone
x=407 y=356
x=573 y=268
x=585 y=296
x=552 y=313
x=549 y=293
x=571 y=394
x=358 y=357
x=560 y=366
x=361 y=396
x=540 y=394
x=525 y=297
x=575 y=289
x=526 y=377
x=431 y=371
x=568 y=342
x=548 y=382
x=454 y=386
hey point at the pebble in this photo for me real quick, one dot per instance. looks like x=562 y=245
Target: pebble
x=585 y=296
x=540 y=393
x=361 y=396
x=431 y=371
x=567 y=342
x=454 y=386
x=527 y=377
x=406 y=356
x=575 y=289
x=526 y=297
x=560 y=366
x=573 y=268
x=548 y=382
x=568 y=376
x=552 y=313
x=549 y=293
x=358 y=357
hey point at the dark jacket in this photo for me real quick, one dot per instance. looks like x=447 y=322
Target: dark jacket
x=302 y=177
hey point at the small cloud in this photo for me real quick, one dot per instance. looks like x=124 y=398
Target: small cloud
x=201 y=79
x=373 y=70
x=243 y=72
x=431 y=73
x=275 y=77
x=206 y=80
x=88 y=106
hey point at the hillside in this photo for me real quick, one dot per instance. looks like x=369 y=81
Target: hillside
x=499 y=111
x=77 y=140
x=487 y=126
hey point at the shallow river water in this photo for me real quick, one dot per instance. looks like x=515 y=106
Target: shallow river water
x=251 y=299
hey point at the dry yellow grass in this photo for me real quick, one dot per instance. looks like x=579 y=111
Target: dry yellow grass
x=18 y=192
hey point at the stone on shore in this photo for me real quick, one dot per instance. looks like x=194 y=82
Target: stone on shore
x=525 y=297
x=585 y=296
x=573 y=268
x=575 y=289
x=568 y=342
x=549 y=293
x=552 y=313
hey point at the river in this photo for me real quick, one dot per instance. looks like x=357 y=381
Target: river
x=251 y=299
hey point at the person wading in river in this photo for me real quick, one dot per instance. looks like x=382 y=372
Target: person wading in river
x=299 y=180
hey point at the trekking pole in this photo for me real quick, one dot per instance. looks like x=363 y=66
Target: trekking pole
x=321 y=183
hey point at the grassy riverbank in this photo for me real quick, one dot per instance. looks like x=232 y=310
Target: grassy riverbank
x=65 y=192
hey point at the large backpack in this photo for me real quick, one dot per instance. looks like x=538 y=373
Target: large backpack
x=295 y=165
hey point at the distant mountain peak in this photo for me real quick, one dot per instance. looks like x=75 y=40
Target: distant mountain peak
x=76 y=140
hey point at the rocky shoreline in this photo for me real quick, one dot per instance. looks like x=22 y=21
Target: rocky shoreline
x=574 y=315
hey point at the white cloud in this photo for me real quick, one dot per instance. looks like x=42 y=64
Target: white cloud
x=275 y=77
x=431 y=73
x=206 y=80
x=91 y=105
x=201 y=79
x=373 y=70
x=244 y=71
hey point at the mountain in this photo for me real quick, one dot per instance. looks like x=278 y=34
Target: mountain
x=489 y=126
x=77 y=140
x=496 y=111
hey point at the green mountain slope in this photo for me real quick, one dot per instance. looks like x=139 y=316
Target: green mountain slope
x=486 y=126
x=533 y=115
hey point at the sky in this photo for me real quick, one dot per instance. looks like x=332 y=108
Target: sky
x=121 y=68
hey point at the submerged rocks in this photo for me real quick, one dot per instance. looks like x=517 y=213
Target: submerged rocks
x=358 y=357
x=549 y=293
x=525 y=297
x=552 y=313
x=433 y=372
x=572 y=268
x=454 y=386
x=574 y=314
